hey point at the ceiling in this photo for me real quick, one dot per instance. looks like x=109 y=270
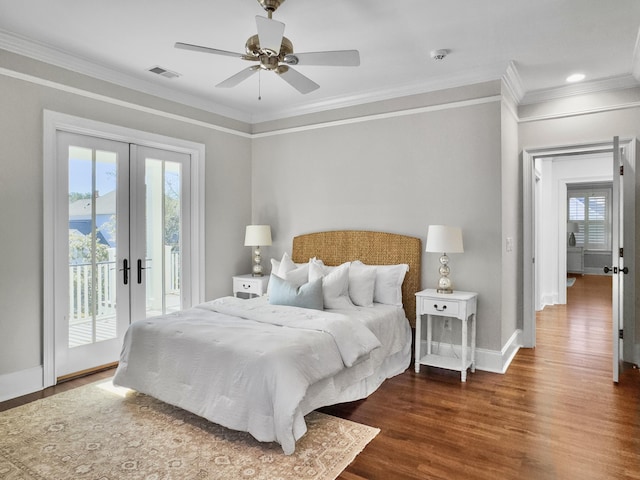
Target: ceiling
x=537 y=43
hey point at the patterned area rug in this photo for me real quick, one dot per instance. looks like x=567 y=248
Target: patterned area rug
x=101 y=432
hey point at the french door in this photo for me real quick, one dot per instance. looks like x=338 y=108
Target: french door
x=121 y=232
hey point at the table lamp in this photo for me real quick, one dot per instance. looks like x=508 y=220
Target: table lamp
x=257 y=236
x=443 y=239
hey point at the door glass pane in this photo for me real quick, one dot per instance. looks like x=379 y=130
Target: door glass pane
x=163 y=253
x=92 y=246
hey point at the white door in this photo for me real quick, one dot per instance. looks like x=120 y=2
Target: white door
x=122 y=237
x=159 y=180
x=91 y=255
x=623 y=259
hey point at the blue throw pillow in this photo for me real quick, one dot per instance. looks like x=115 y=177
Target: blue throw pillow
x=308 y=295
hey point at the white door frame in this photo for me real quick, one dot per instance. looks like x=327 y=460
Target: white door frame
x=528 y=178
x=54 y=122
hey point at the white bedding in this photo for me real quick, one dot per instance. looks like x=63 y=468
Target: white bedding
x=260 y=368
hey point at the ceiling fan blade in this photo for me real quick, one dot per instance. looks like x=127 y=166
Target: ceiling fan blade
x=242 y=75
x=298 y=81
x=198 y=48
x=338 y=58
x=270 y=34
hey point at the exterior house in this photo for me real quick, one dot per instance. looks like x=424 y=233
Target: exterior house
x=80 y=217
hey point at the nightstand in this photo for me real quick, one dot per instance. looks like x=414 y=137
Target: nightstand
x=250 y=284
x=456 y=305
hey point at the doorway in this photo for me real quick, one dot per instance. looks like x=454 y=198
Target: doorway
x=122 y=237
x=531 y=250
x=556 y=178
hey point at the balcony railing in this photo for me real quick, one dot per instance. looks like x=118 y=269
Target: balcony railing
x=85 y=302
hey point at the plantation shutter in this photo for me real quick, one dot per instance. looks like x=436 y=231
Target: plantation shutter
x=590 y=210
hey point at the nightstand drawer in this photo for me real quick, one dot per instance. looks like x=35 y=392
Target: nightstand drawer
x=247 y=285
x=446 y=308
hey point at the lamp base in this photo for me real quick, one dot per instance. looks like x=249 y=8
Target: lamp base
x=444 y=283
x=257 y=263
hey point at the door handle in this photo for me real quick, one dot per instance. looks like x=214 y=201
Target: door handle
x=140 y=268
x=125 y=269
x=615 y=270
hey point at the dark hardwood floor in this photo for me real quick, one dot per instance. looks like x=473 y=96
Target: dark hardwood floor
x=555 y=414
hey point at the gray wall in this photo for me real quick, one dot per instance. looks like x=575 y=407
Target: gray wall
x=228 y=191
x=397 y=174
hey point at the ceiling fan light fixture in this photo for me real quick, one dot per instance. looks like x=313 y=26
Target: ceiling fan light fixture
x=268 y=62
x=290 y=59
x=270 y=5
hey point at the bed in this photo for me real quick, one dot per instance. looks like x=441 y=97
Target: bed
x=260 y=367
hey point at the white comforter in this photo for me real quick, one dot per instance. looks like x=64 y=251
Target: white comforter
x=246 y=365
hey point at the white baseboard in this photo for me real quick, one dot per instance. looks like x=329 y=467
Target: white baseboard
x=487 y=360
x=20 y=383
x=549 y=299
x=498 y=362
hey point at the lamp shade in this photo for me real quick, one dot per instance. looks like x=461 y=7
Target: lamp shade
x=573 y=227
x=257 y=236
x=444 y=239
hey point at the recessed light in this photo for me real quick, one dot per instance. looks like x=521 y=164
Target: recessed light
x=576 y=77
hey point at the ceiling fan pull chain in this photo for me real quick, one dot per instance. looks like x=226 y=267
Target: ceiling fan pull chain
x=259 y=84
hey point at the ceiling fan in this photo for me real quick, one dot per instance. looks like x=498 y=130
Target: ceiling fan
x=274 y=52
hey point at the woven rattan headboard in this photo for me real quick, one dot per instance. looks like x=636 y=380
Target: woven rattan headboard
x=372 y=248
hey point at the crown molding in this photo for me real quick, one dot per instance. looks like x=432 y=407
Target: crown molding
x=59 y=58
x=583 y=88
x=381 y=116
x=635 y=66
x=372 y=96
x=513 y=82
x=121 y=103
x=507 y=73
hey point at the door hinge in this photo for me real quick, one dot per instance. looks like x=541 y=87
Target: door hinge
x=621 y=334
x=621 y=170
x=621 y=253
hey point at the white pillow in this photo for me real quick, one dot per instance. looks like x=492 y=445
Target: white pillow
x=388 y=286
x=298 y=276
x=295 y=273
x=362 y=280
x=335 y=283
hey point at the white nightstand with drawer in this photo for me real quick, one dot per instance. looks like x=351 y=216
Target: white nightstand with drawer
x=250 y=284
x=459 y=305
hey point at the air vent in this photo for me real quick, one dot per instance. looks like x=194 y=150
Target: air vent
x=164 y=72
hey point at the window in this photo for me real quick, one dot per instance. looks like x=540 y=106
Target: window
x=591 y=210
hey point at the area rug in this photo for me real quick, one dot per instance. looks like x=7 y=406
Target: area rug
x=101 y=432
x=571 y=281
